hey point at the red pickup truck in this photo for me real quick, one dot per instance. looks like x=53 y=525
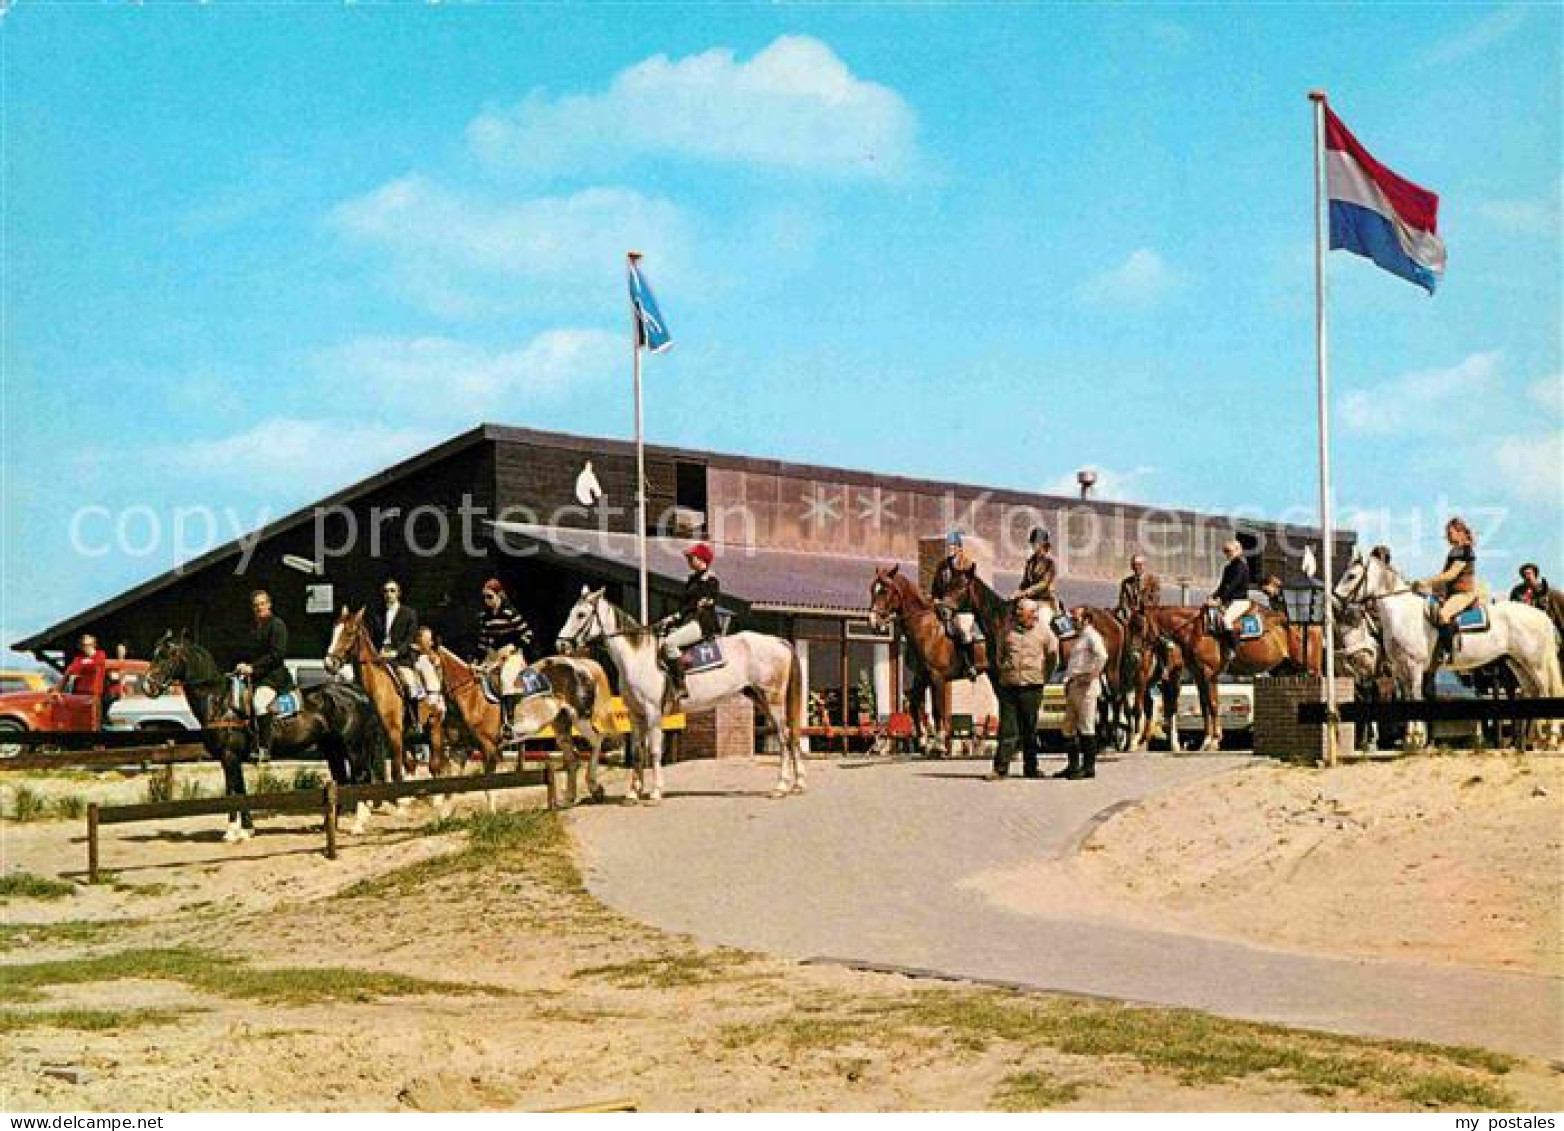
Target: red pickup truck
x=63 y=707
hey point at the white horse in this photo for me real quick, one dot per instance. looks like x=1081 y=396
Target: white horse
x=1518 y=634
x=762 y=667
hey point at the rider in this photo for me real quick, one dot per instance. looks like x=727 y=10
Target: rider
x=1533 y=589
x=1455 y=585
x=426 y=664
x=265 y=669
x=1137 y=592
x=954 y=570
x=1232 y=592
x=1272 y=588
x=696 y=619
x=502 y=635
x=1037 y=579
x=395 y=626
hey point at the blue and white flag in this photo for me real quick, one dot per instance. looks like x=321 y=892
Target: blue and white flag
x=651 y=332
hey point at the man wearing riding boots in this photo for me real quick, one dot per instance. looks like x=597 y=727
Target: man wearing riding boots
x=696 y=619
x=1137 y=592
x=269 y=676
x=1533 y=589
x=1023 y=670
x=1455 y=585
x=394 y=627
x=1232 y=592
x=502 y=635
x=1037 y=579
x=1082 y=682
x=951 y=574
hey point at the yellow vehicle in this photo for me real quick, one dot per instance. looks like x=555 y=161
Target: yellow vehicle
x=17 y=679
x=621 y=721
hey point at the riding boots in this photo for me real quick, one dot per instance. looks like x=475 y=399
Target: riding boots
x=507 y=714
x=1444 y=646
x=1088 y=756
x=1072 y=768
x=263 y=737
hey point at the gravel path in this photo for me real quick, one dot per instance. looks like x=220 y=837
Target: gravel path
x=870 y=865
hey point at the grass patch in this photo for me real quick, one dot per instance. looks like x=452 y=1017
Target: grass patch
x=269 y=781
x=1033 y=1091
x=160 y=788
x=71 y=807
x=84 y=1020
x=306 y=777
x=668 y=971
x=78 y=932
x=225 y=976
x=191 y=790
x=25 y=885
x=128 y=888
x=1191 y=1048
x=27 y=804
x=534 y=839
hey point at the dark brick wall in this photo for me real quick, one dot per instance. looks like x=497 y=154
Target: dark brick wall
x=1277 y=731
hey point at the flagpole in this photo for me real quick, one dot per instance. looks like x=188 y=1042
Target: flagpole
x=640 y=449
x=1322 y=357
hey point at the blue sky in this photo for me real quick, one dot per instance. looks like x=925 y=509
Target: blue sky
x=254 y=251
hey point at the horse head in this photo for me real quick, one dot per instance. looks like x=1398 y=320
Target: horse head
x=885 y=596
x=178 y=659
x=346 y=635
x=585 y=623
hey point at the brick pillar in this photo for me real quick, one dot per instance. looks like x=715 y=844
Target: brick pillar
x=1277 y=731
x=725 y=731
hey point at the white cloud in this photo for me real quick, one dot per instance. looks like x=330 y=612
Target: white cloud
x=1535 y=216
x=1548 y=392
x=1532 y=467
x=1121 y=484
x=1427 y=401
x=1477 y=37
x=443 y=378
x=796 y=106
x=463 y=255
x=297 y=457
x=1143 y=279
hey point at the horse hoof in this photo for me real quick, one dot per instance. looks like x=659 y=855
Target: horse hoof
x=799 y=787
x=598 y=794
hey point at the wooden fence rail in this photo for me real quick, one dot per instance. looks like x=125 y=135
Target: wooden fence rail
x=325 y=801
x=144 y=755
x=1437 y=710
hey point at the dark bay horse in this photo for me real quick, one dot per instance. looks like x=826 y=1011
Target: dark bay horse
x=337 y=719
x=935 y=661
x=1280 y=648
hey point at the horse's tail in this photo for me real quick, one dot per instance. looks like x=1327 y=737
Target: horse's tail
x=795 y=696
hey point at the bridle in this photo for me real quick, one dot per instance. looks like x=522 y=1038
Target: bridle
x=578 y=639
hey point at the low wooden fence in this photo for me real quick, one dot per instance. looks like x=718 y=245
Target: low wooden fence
x=166 y=754
x=325 y=801
x=1393 y=711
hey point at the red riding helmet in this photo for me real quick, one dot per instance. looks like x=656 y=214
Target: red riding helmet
x=493 y=586
x=701 y=553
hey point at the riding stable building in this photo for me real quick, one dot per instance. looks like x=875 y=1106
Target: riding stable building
x=797 y=547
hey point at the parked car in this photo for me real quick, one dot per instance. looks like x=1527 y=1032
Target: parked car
x=62 y=707
x=1235 y=708
x=21 y=679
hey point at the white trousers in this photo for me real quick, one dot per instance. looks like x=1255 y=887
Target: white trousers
x=1234 y=610
x=681 y=638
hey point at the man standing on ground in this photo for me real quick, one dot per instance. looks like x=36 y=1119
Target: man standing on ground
x=1082 y=680
x=1023 y=670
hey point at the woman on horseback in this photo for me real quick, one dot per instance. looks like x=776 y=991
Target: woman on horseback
x=1455 y=585
x=502 y=635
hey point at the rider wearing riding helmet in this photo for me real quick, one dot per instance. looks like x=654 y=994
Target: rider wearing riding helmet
x=696 y=619
x=1232 y=592
x=502 y=635
x=953 y=572
x=1455 y=584
x=1037 y=578
x=265 y=669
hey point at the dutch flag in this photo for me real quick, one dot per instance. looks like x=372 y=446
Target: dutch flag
x=1378 y=215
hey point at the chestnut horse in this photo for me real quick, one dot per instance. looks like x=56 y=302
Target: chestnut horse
x=1280 y=647
x=894 y=598
x=351 y=643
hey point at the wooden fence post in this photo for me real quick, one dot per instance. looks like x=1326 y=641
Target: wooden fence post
x=330 y=803
x=92 y=843
x=168 y=781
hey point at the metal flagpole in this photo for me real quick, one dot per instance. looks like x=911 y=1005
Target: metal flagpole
x=640 y=446
x=1322 y=355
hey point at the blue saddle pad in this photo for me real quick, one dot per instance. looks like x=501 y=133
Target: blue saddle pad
x=1474 y=619
x=286 y=705
x=533 y=683
x=1065 y=627
x=1250 y=627
x=703 y=656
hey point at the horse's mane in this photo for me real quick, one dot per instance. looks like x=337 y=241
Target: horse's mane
x=628 y=625
x=200 y=667
x=983 y=597
x=910 y=592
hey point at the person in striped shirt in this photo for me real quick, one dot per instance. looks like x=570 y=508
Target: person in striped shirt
x=502 y=639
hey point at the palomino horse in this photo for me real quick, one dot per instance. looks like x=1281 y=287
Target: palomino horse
x=1280 y=646
x=1398 y=615
x=580 y=705
x=761 y=667
x=894 y=598
x=337 y=719
x=351 y=642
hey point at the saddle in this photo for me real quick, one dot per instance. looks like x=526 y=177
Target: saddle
x=1065 y=628
x=285 y=706
x=703 y=656
x=532 y=683
x=1467 y=621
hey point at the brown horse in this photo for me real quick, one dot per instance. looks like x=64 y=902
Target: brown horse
x=351 y=643
x=1280 y=647
x=1123 y=705
x=580 y=707
x=936 y=662
x=1154 y=661
x=995 y=616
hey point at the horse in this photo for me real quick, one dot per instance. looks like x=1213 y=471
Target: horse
x=337 y=718
x=1522 y=636
x=351 y=642
x=995 y=615
x=579 y=704
x=1278 y=648
x=764 y=668
x=894 y=598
